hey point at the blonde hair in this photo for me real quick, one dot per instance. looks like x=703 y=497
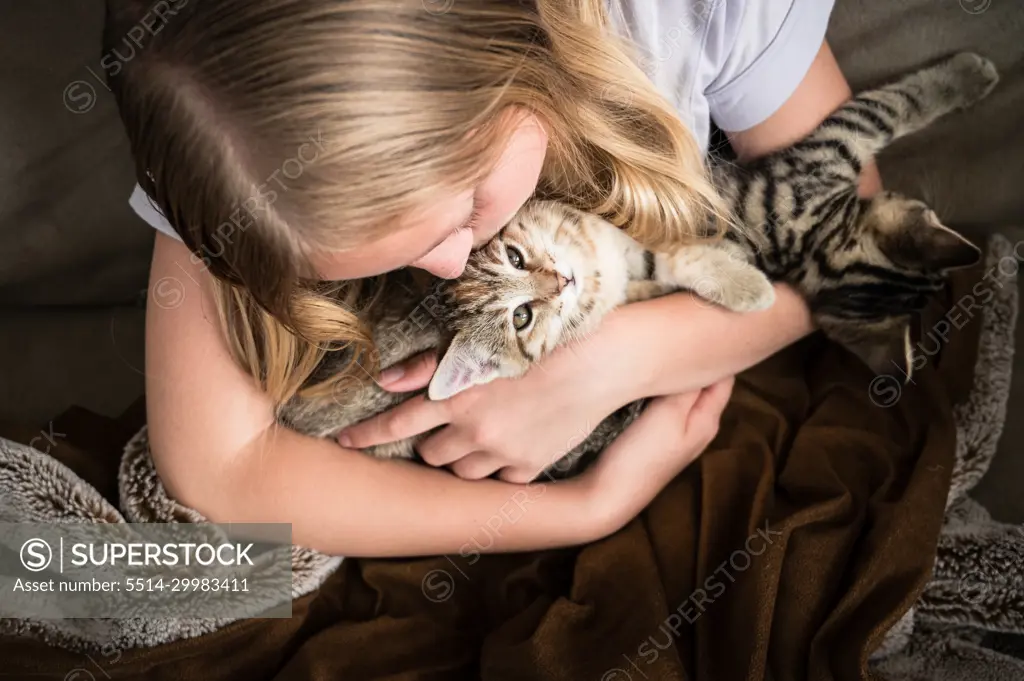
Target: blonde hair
x=314 y=124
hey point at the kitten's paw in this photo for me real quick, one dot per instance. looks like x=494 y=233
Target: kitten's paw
x=971 y=76
x=741 y=290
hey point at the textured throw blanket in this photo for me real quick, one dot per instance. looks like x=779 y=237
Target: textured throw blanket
x=826 y=534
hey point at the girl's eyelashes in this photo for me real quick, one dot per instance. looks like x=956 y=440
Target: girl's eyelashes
x=473 y=219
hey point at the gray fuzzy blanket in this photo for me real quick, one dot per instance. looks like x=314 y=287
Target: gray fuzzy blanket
x=35 y=488
x=977 y=587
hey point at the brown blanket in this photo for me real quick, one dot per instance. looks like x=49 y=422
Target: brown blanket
x=788 y=551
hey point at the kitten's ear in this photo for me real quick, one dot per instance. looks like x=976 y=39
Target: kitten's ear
x=464 y=365
x=924 y=243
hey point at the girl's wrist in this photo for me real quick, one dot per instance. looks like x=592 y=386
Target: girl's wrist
x=600 y=501
x=678 y=343
x=619 y=493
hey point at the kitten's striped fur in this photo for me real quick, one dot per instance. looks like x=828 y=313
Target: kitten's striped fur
x=865 y=266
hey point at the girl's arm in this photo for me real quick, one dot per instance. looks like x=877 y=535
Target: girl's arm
x=823 y=90
x=217 y=449
x=713 y=343
x=673 y=344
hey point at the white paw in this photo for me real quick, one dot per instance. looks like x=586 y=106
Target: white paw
x=746 y=290
x=973 y=76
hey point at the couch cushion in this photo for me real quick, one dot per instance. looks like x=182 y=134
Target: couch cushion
x=66 y=231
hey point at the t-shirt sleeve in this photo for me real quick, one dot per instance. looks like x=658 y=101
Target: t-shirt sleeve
x=771 y=45
x=145 y=209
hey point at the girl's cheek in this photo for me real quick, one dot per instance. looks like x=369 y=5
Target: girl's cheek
x=507 y=192
x=512 y=181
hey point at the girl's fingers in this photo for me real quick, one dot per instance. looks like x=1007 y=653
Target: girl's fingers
x=680 y=405
x=475 y=466
x=518 y=476
x=447 y=446
x=412 y=417
x=412 y=374
x=716 y=395
x=707 y=410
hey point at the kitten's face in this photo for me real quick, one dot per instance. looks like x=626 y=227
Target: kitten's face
x=909 y=234
x=895 y=259
x=522 y=293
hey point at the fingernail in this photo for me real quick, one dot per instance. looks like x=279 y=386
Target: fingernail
x=391 y=375
x=344 y=440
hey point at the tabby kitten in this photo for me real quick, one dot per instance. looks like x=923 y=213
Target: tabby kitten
x=864 y=265
x=547 y=278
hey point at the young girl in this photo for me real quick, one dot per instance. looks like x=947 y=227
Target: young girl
x=285 y=144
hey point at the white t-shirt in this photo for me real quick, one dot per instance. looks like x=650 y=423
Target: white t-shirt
x=734 y=62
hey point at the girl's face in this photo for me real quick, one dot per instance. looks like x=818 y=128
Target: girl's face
x=438 y=237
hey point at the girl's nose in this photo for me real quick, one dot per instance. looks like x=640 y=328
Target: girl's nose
x=448 y=259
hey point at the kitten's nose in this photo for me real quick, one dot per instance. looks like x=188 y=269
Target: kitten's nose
x=560 y=282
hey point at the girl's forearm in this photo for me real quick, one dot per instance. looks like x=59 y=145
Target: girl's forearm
x=679 y=343
x=342 y=502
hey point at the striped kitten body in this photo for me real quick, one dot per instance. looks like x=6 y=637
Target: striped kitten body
x=864 y=265
x=546 y=279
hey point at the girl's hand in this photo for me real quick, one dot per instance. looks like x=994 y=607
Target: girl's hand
x=516 y=426
x=667 y=437
x=521 y=426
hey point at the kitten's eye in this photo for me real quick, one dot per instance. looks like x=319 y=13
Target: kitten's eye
x=521 y=316
x=515 y=258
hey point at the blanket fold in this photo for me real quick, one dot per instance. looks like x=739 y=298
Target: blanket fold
x=800 y=545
